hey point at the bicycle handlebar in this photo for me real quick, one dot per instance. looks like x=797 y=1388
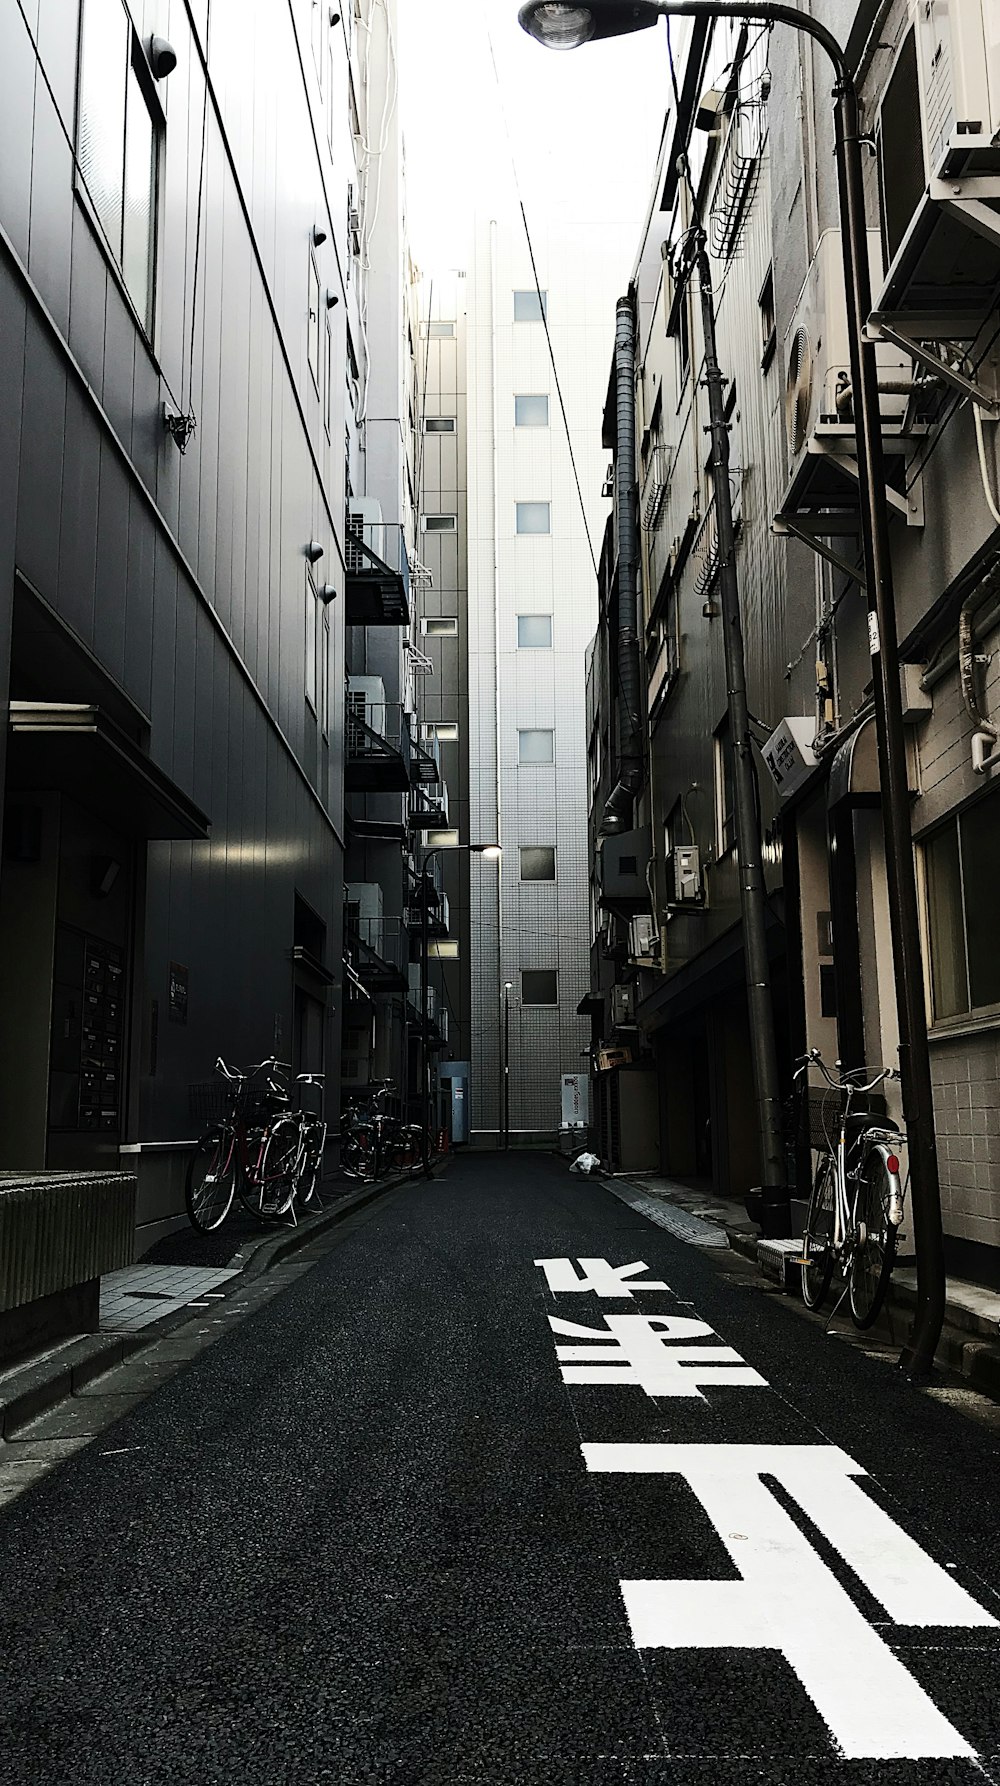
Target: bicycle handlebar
x=848 y=1081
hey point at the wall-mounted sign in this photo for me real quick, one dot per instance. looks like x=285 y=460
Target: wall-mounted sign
x=789 y=754
x=177 y=993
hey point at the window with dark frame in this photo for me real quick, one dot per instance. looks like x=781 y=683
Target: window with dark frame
x=961 y=862
x=539 y=986
x=768 y=333
x=538 y=862
x=119 y=129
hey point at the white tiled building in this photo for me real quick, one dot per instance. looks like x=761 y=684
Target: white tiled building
x=531 y=613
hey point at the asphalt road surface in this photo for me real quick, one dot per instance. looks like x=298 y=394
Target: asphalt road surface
x=441 y=1513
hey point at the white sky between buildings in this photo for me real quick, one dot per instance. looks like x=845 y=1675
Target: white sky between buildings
x=585 y=125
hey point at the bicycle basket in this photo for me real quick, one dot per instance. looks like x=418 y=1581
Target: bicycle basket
x=210 y=1101
x=820 y=1109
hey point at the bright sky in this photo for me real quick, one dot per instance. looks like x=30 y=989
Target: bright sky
x=585 y=125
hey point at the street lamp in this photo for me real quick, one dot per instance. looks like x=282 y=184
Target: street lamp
x=492 y=852
x=559 y=24
x=508 y=987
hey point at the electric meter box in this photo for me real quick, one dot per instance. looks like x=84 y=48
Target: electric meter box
x=684 y=875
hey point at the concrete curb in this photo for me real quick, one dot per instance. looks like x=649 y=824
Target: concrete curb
x=33 y=1387
x=965 y=1347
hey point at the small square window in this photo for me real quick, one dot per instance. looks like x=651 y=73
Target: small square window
x=531 y=412
x=440 y=523
x=530 y=306
x=539 y=987
x=439 y=424
x=538 y=864
x=439 y=626
x=534 y=632
x=533 y=517
x=535 y=747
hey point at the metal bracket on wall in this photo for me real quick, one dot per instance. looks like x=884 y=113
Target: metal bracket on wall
x=910 y=505
x=804 y=528
x=901 y=333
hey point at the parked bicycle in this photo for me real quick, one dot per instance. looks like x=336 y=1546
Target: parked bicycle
x=249 y=1151
x=374 y=1142
x=856 y=1205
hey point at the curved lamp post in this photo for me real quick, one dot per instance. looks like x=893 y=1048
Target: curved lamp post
x=492 y=852
x=560 y=25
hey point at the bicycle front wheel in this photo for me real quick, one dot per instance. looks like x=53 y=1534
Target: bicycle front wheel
x=211 y=1180
x=272 y=1183
x=875 y=1243
x=817 y=1241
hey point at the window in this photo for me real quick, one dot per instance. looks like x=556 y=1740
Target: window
x=314 y=335
x=119 y=125
x=327 y=373
x=312 y=611
x=530 y=306
x=900 y=148
x=534 y=632
x=444 y=730
x=533 y=517
x=324 y=672
x=768 y=336
x=440 y=626
x=440 y=523
x=439 y=424
x=531 y=412
x=440 y=840
x=725 y=812
x=440 y=331
x=962 y=861
x=679 y=325
x=539 y=986
x=535 y=747
x=538 y=864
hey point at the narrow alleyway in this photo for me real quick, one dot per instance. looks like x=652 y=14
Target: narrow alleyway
x=372 y=1535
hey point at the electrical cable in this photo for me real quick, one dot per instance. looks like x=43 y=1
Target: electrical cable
x=541 y=303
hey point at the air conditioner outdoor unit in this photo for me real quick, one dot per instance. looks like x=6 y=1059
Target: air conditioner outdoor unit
x=622 y=1007
x=818 y=360
x=643 y=942
x=366 y=702
x=364 y=524
x=958 y=70
x=684 y=876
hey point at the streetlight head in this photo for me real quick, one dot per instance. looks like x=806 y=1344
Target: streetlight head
x=563 y=25
x=491 y=851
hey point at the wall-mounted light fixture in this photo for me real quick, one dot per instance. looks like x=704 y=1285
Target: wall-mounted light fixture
x=332 y=300
x=314 y=551
x=334 y=18
x=104 y=871
x=327 y=594
x=162 y=58
x=319 y=236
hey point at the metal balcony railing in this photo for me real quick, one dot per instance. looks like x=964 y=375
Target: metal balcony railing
x=377 y=949
x=377 y=570
x=378 y=746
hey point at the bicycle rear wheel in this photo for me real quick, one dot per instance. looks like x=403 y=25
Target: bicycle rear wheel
x=875 y=1243
x=211 y=1180
x=817 y=1241
x=271 y=1186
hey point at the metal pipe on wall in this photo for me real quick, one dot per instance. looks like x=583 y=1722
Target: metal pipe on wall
x=619 y=804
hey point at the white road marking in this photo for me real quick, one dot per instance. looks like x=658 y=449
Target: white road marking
x=597 y=1275
x=641 y=1352
x=789 y=1600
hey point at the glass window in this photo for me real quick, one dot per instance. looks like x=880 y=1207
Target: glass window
x=440 y=840
x=539 y=986
x=535 y=747
x=327 y=373
x=118 y=144
x=533 y=517
x=538 y=864
x=440 y=626
x=312 y=607
x=444 y=730
x=534 y=632
x=314 y=319
x=531 y=412
x=962 y=860
x=440 y=523
x=439 y=424
x=441 y=331
x=324 y=672
x=530 y=306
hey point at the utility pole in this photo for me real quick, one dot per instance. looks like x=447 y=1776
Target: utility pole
x=776 y=1219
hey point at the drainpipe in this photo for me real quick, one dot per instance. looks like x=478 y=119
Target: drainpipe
x=986 y=735
x=619 y=805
